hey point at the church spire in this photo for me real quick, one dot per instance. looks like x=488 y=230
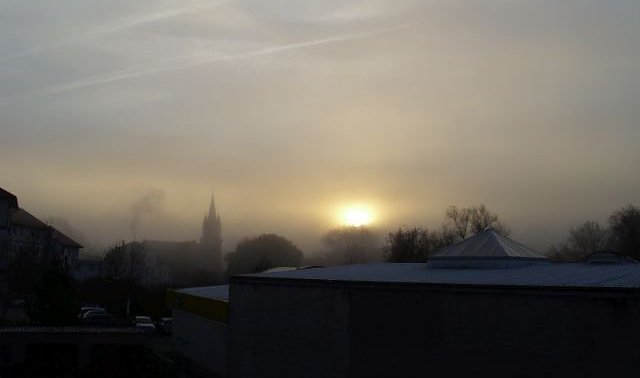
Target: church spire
x=211 y=239
x=212 y=208
x=212 y=228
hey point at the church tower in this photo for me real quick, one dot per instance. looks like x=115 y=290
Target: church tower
x=211 y=240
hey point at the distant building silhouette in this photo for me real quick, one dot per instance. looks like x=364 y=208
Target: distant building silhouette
x=211 y=239
x=31 y=235
x=24 y=235
x=184 y=262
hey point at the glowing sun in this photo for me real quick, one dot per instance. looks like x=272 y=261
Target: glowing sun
x=356 y=216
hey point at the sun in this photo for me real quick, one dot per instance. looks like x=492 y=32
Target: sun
x=356 y=216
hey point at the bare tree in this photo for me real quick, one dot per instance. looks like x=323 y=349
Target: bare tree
x=414 y=244
x=127 y=262
x=587 y=238
x=622 y=236
x=352 y=245
x=468 y=221
x=458 y=221
x=624 y=225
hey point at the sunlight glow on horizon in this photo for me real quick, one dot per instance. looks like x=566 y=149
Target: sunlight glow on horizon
x=356 y=216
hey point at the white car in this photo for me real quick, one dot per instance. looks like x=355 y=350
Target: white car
x=145 y=323
x=85 y=310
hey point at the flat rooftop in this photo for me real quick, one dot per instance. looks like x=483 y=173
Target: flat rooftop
x=219 y=292
x=582 y=275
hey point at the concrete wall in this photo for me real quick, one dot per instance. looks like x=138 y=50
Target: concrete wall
x=328 y=329
x=202 y=340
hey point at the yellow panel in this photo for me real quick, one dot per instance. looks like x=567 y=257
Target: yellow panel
x=213 y=309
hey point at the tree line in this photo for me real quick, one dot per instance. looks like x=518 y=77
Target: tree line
x=352 y=245
x=349 y=245
x=621 y=234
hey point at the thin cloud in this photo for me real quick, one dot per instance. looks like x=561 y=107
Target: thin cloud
x=129 y=22
x=189 y=61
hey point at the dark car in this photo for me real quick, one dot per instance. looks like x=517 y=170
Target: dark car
x=97 y=318
x=164 y=325
x=145 y=323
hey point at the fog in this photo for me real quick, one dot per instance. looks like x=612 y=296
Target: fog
x=124 y=118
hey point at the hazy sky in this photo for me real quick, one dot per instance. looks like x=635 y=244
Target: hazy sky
x=290 y=110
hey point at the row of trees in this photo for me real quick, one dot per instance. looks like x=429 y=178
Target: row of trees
x=343 y=245
x=352 y=245
x=348 y=245
x=621 y=235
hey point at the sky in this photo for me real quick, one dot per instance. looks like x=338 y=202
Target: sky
x=123 y=118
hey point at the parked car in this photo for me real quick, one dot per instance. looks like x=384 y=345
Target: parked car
x=145 y=323
x=97 y=318
x=93 y=312
x=86 y=309
x=164 y=325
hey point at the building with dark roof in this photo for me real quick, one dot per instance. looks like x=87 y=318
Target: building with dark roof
x=8 y=205
x=491 y=307
x=9 y=199
x=47 y=244
x=21 y=233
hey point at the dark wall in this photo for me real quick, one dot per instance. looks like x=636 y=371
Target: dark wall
x=322 y=329
x=280 y=331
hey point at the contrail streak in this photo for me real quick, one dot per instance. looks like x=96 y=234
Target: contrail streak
x=188 y=62
x=120 y=25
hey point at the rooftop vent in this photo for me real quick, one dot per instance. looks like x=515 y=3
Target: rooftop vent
x=486 y=250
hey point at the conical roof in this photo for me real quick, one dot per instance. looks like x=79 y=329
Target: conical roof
x=485 y=246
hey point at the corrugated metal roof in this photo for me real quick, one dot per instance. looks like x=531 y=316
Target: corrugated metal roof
x=543 y=274
x=219 y=292
x=488 y=244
